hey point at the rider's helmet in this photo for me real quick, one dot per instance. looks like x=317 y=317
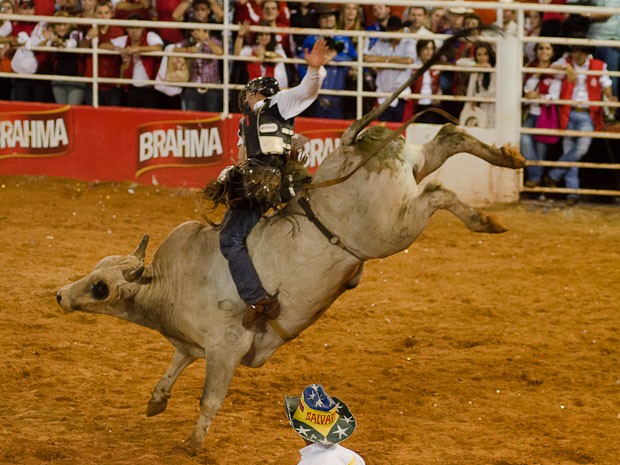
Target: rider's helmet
x=263 y=85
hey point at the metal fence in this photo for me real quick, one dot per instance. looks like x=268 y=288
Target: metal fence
x=509 y=68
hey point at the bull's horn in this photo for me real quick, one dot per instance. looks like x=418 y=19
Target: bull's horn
x=349 y=136
x=141 y=250
x=131 y=275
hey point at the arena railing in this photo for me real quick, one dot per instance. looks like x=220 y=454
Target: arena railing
x=509 y=80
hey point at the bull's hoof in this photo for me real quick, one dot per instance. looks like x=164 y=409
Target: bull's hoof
x=493 y=226
x=188 y=448
x=513 y=157
x=154 y=408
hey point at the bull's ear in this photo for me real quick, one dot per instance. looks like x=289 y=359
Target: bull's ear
x=141 y=250
x=132 y=275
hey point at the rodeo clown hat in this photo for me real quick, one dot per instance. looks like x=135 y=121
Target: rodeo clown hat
x=317 y=417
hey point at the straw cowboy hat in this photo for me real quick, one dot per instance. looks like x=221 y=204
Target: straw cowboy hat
x=317 y=417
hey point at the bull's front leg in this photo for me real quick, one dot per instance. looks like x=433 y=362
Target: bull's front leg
x=222 y=361
x=161 y=393
x=451 y=140
x=436 y=197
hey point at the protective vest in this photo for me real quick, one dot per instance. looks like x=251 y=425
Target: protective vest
x=266 y=132
x=594 y=95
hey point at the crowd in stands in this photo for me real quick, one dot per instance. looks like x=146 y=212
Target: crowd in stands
x=260 y=54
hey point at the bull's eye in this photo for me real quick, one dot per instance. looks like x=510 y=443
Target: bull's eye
x=100 y=290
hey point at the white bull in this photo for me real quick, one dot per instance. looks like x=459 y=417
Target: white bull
x=187 y=294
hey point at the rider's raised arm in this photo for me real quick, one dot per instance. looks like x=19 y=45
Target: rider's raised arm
x=296 y=100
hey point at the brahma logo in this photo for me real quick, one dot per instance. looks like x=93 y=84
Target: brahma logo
x=36 y=134
x=320 y=144
x=179 y=144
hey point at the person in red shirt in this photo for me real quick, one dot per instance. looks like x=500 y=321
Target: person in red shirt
x=108 y=65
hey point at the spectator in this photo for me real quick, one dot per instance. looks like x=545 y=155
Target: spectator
x=123 y=9
x=381 y=15
x=302 y=16
x=453 y=83
x=482 y=85
x=350 y=19
x=393 y=50
x=252 y=11
x=456 y=17
x=30 y=34
x=203 y=11
x=6 y=30
x=203 y=70
x=465 y=47
x=417 y=19
x=438 y=21
x=581 y=89
x=552 y=20
x=509 y=25
x=607 y=27
x=322 y=422
x=532 y=29
x=266 y=51
x=427 y=86
x=138 y=66
x=108 y=65
x=331 y=106
x=87 y=10
x=536 y=87
x=271 y=18
x=62 y=35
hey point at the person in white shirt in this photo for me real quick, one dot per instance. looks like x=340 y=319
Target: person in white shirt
x=322 y=422
x=138 y=66
x=398 y=51
x=581 y=89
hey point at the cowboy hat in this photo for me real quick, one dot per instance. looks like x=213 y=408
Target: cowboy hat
x=317 y=417
x=326 y=9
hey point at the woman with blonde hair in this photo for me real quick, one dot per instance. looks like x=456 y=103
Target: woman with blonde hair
x=350 y=19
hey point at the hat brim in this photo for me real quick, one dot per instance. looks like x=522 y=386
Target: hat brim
x=342 y=429
x=326 y=12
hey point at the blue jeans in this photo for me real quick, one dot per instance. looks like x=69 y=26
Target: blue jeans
x=573 y=149
x=212 y=100
x=238 y=223
x=533 y=150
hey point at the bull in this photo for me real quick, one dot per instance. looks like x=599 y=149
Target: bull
x=365 y=202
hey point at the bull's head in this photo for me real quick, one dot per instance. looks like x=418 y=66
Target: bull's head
x=112 y=281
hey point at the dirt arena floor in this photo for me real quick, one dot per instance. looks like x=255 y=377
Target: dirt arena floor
x=464 y=349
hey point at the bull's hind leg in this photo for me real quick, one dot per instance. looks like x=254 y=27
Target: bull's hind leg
x=451 y=140
x=436 y=197
x=161 y=393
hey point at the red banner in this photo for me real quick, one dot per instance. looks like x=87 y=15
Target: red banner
x=36 y=133
x=171 y=148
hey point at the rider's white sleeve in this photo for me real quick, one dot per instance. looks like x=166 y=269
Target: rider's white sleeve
x=294 y=101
